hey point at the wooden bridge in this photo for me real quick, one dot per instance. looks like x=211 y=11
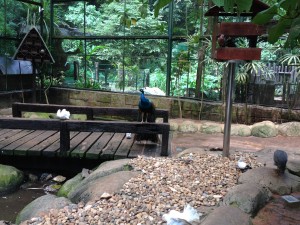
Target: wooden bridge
x=52 y=141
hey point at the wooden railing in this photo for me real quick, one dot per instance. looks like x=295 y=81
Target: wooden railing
x=90 y=112
x=89 y=125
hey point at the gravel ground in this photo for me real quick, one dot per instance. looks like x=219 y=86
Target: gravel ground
x=164 y=184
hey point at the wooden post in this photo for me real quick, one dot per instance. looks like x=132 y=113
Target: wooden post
x=64 y=137
x=165 y=142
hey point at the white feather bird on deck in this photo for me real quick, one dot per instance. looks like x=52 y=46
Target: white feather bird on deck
x=188 y=216
x=63 y=114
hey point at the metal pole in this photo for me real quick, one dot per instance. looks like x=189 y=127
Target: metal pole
x=170 y=43
x=227 y=125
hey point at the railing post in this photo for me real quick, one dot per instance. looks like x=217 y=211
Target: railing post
x=164 y=142
x=64 y=137
x=16 y=112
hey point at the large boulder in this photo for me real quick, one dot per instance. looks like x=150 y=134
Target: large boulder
x=240 y=130
x=227 y=215
x=293 y=166
x=108 y=177
x=188 y=127
x=70 y=185
x=249 y=197
x=41 y=206
x=94 y=189
x=210 y=128
x=10 y=179
x=289 y=129
x=267 y=177
x=264 y=129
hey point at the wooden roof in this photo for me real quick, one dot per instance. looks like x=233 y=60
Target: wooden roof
x=33 y=48
x=257 y=6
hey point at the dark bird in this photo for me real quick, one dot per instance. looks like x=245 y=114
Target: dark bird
x=280 y=159
x=221 y=40
x=147 y=114
x=225 y=41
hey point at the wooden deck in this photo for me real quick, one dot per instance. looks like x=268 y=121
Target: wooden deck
x=89 y=145
x=74 y=144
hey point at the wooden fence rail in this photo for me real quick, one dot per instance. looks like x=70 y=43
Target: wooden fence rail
x=90 y=112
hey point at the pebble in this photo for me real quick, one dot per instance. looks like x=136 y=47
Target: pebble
x=165 y=184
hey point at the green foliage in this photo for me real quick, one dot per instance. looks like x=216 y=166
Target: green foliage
x=286 y=13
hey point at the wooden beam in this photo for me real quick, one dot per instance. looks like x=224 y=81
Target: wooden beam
x=228 y=53
x=240 y=29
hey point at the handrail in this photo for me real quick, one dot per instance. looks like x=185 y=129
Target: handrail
x=89 y=111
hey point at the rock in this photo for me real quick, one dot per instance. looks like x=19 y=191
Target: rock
x=173 y=126
x=239 y=130
x=92 y=190
x=59 y=179
x=41 y=206
x=291 y=129
x=210 y=128
x=69 y=185
x=10 y=179
x=267 y=177
x=264 y=129
x=227 y=215
x=188 y=127
x=249 y=197
x=293 y=167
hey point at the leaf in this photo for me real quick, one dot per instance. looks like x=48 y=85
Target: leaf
x=159 y=4
x=243 y=5
x=218 y=3
x=278 y=30
x=265 y=16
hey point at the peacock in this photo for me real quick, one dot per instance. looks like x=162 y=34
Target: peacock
x=146 y=114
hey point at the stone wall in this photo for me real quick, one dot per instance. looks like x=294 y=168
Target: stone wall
x=213 y=111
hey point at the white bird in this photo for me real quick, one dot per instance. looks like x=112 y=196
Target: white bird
x=63 y=114
x=189 y=215
x=241 y=164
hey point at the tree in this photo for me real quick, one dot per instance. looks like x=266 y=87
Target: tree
x=284 y=13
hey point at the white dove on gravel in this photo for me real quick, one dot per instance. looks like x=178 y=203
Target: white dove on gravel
x=188 y=216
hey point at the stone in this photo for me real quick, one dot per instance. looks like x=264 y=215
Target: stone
x=173 y=126
x=227 y=215
x=211 y=128
x=278 y=184
x=91 y=191
x=291 y=129
x=41 y=206
x=293 y=166
x=248 y=197
x=188 y=127
x=239 y=130
x=10 y=179
x=69 y=185
x=264 y=129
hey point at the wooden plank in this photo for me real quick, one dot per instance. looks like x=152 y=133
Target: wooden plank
x=25 y=143
x=9 y=134
x=96 y=149
x=4 y=131
x=39 y=143
x=38 y=149
x=124 y=148
x=229 y=53
x=76 y=141
x=111 y=148
x=11 y=140
x=136 y=149
x=240 y=29
x=53 y=149
x=80 y=150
